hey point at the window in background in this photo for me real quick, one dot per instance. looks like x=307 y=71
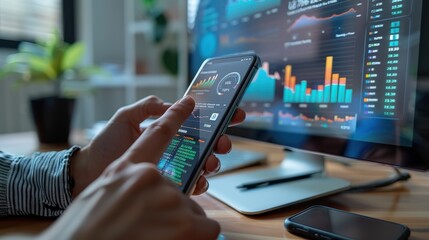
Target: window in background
x=35 y=19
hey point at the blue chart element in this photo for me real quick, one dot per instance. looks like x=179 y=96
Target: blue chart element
x=241 y=8
x=261 y=89
x=308 y=21
x=210 y=18
x=208 y=45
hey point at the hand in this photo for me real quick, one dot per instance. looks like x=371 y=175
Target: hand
x=131 y=200
x=121 y=132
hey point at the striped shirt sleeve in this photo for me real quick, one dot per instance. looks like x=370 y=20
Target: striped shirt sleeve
x=36 y=185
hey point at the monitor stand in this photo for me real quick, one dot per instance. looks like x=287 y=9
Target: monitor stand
x=266 y=197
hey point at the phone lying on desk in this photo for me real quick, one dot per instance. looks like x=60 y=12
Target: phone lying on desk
x=217 y=89
x=320 y=222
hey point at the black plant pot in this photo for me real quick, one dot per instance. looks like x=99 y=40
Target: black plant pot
x=52 y=117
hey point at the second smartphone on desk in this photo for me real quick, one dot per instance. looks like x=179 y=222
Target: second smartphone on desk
x=217 y=89
x=325 y=223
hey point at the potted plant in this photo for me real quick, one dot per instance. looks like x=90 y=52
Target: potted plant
x=49 y=62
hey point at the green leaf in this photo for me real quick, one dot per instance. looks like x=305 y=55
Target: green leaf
x=170 y=60
x=10 y=68
x=23 y=73
x=85 y=72
x=32 y=48
x=72 y=56
x=55 y=48
x=160 y=29
x=38 y=76
x=35 y=63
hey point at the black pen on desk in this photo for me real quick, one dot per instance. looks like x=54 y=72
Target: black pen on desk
x=270 y=182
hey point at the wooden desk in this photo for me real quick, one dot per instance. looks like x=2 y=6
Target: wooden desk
x=406 y=203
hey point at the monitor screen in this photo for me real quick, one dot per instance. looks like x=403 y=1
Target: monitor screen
x=339 y=77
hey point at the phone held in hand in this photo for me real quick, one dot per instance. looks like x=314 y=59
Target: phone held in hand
x=217 y=90
x=320 y=222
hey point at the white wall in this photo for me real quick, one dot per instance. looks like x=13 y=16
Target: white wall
x=103 y=30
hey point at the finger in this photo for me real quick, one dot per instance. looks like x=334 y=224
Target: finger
x=147 y=173
x=238 y=117
x=201 y=186
x=223 y=145
x=208 y=229
x=139 y=177
x=212 y=165
x=195 y=207
x=139 y=111
x=155 y=139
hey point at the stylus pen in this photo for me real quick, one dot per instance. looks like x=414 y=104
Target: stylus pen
x=270 y=182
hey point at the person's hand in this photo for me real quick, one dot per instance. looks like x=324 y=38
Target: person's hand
x=121 y=132
x=131 y=200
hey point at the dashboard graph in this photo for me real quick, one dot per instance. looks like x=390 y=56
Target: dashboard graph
x=262 y=88
x=342 y=124
x=259 y=119
x=308 y=21
x=205 y=83
x=333 y=90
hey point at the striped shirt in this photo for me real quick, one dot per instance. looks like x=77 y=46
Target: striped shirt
x=39 y=184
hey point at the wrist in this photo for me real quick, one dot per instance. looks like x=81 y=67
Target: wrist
x=78 y=172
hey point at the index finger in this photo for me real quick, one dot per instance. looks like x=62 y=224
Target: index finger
x=139 y=111
x=238 y=117
x=155 y=139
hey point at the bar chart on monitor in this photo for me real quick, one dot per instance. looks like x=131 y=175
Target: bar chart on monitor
x=331 y=90
x=326 y=38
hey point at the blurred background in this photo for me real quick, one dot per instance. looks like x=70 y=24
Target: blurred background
x=139 y=45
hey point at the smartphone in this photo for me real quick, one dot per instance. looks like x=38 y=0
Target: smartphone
x=320 y=222
x=217 y=89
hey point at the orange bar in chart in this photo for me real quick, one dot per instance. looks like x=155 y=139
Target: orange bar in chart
x=328 y=78
x=288 y=73
x=292 y=82
x=328 y=70
x=335 y=78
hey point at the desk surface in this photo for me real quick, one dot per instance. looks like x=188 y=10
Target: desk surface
x=405 y=203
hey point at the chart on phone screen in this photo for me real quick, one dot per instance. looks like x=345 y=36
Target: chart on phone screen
x=213 y=91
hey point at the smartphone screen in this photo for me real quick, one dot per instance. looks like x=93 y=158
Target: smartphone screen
x=216 y=89
x=321 y=222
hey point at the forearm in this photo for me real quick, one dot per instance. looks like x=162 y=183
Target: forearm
x=36 y=185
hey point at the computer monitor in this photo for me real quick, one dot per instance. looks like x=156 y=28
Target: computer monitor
x=339 y=78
